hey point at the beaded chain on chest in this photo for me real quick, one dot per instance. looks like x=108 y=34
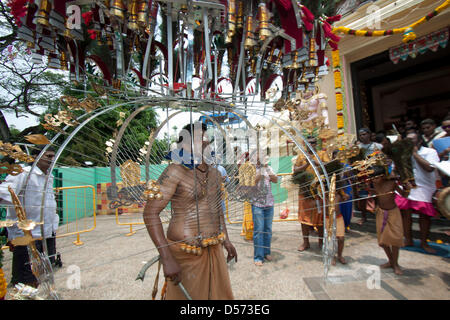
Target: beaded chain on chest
x=203 y=181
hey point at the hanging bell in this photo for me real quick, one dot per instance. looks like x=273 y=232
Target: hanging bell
x=250 y=40
x=63 y=61
x=133 y=15
x=43 y=13
x=240 y=15
x=295 y=64
x=231 y=20
x=263 y=15
x=142 y=13
x=118 y=9
x=316 y=72
x=312 y=53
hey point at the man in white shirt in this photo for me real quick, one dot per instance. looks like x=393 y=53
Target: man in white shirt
x=420 y=197
x=30 y=195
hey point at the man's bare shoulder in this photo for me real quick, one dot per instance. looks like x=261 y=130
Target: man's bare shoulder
x=173 y=171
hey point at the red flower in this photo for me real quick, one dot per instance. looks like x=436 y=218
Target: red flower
x=87 y=17
x=92 y=34
x=18 y=9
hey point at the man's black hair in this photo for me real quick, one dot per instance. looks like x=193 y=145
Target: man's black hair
x=36 y=150
x=428 y=121
x=380 y=137
x=378 y=170
x=189 y=127
x=365 y=130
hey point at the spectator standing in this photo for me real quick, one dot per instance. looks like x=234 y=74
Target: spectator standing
x=30 y=194
x=420 y=197
x=262 y=211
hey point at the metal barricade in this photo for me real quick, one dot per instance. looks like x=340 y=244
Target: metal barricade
x=67 y=210
x=131 y=224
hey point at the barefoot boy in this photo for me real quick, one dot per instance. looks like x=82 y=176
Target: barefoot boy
x=388 y=217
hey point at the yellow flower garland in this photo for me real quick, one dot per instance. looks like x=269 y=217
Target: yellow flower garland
x=339 y=102
x=338 y=86
x=408 y=32
x=3 y=284
x=337 y=79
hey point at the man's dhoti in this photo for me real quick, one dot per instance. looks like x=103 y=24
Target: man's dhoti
x=389 y=227
x=205 y=277
x=309 y=211
x=340 y=225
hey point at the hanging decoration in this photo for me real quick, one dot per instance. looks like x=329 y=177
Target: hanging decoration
x=14 y=151
x=408 y=32
x=338 y=91
x=431 y=42
x=3 y=283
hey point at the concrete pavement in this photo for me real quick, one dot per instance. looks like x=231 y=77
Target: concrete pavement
x=109 y=261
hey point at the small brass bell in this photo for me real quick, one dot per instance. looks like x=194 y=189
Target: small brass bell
x=42 y=16
x=263 y=14
x=117 y=9
x=142 y=13
x=133 y=10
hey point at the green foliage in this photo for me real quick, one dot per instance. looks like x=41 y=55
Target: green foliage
x=89 y=144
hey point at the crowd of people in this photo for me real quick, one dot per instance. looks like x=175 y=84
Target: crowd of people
x=431 y=147
x=394 y=204
x=191 y=252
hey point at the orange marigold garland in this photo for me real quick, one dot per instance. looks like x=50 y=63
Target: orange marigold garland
x=3 y=284
x=338 y=90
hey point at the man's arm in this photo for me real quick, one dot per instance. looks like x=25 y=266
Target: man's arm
x=273 y=177
x=444 y=154
x=168 y=181
x=421 y=161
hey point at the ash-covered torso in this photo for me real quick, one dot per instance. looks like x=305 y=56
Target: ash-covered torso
x=195 y=203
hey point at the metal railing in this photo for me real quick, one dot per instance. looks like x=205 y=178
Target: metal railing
x=66 y=209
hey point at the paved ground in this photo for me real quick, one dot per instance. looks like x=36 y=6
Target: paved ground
x=109 y=262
